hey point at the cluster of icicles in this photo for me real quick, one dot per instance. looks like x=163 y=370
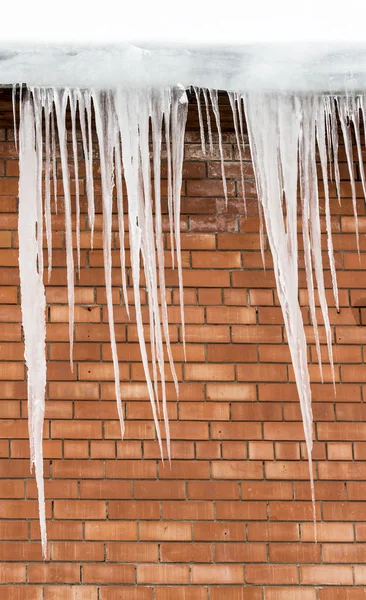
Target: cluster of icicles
x=285 y=134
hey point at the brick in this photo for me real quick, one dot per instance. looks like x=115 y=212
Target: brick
x=290 y=593
x=132 y=552
x=217 y=574
x=209 y=372
x=235 y=431
x=241 y=511
x=71 y=592
x=219 y=532
x=186 y=552
x=344 y=593
x=100 y=530
x=294 y=553
x=181 y=593
x=25 y=592
x=161 y=573
x=126 y=593
x=328 y=532
x=326 y=574
x=108 y=574
x=280 y=532
x=213 y=490
x=79 y=509
x=267 y=574
x=165 y=530
x=189 y=510
x=77 y=551
x=235 y=593
x=12 y=573
x=237 y=470
x=257 y=334
x=54 y=573
x=239 y=552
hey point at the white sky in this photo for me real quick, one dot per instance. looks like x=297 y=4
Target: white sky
x=182 y=21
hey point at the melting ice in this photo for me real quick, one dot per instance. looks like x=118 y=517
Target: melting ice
x=287 y=134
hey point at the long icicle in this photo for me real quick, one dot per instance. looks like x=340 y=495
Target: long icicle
x=47 y=210
x=179 y=118
x=33 y=300
x=274 y=129
x=127 y=116
x=60 y=100
x=104 y=125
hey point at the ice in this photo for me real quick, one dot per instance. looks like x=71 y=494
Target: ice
x=126 y=106
x=47 y=103
x=136 y=126
x=105 y=126
x=179 y=117
x=344 y=117
x=120 y=210
x=215 y=107
x=83 y=99
x=208 y=118
x=72 y=101
x=274 y=126
x=33 y=301
x=233 y=104
x=197 y=92
x=321 y=141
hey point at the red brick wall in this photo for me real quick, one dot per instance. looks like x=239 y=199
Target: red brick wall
x=231 y=520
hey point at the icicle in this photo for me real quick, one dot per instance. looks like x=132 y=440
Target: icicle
x=121 y=223
x=89 y=170
x=355 y=117
x=60 y=100
x=87 y=150
x=147 y=237
x=14 y=95
x=343 y=116
x=274 y=129
x=104 y=125
x=235 y=119
x=328 y=129
x=39 y=150
x=197 y=92
x=238 y=101
x=126 y=104
x=179 y=117
x=333 y=123
x=73 y=101
x=305 y=177
x=320 y=132
x=166 y=111
x=215 y=108
x=309 y=187
x=33 y=301
x=156 y=118
x=208 y=119
x=53 y=148
x=47 y=104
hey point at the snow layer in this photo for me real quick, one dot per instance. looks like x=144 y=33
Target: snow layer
x=329 y=67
